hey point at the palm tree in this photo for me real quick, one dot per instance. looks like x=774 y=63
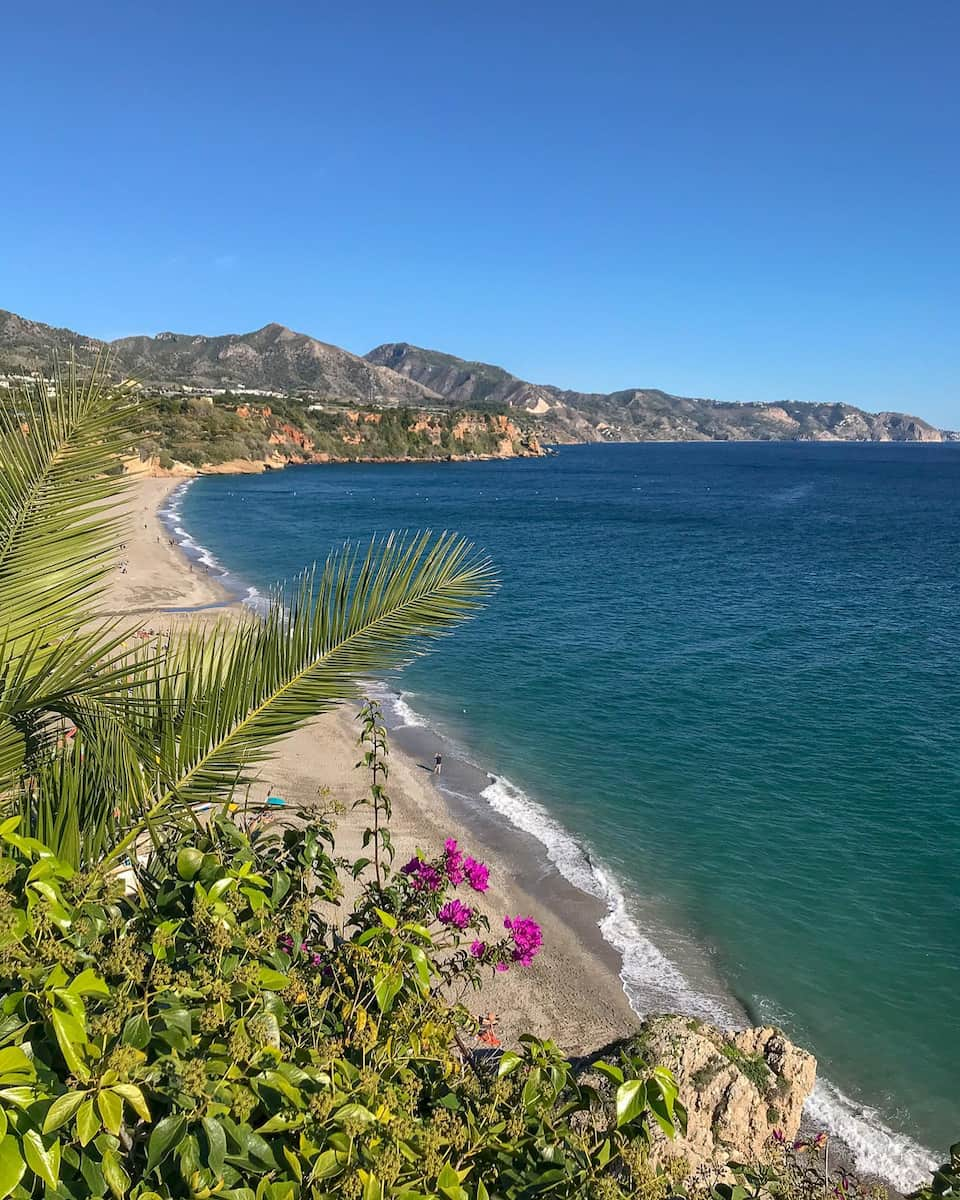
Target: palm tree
x=160 y=730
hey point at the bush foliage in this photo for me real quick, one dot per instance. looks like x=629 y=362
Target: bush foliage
x=225 y=1031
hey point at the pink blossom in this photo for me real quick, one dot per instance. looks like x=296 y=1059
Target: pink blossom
x=453 y=861
x=478 y=949
x=502 y=966
x=423 y=876
x=455 y=914
x=477 y=874
x=527 y=939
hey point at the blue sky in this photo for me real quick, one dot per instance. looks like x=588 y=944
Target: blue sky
x=750 y=201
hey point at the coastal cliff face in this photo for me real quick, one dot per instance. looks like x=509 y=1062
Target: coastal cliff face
x=197 y=437
x=738 y=1089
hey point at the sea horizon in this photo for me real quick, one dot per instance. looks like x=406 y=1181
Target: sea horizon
x=645 y=504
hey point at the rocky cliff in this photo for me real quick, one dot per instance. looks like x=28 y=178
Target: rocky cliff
x=204 y=436
x=740 y=1090
x=643 y=414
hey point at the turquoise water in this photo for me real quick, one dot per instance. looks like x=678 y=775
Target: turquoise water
x=729 y=674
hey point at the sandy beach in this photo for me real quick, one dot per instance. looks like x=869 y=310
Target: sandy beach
x=572 y=992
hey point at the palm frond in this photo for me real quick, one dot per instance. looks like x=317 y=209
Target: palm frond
x=227 y=694
x=59 y=482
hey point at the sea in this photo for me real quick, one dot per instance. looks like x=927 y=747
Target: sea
x=719 y=683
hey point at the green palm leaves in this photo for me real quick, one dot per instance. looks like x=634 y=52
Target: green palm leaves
x=157 y=731
x=58 y=486
x=225 y=695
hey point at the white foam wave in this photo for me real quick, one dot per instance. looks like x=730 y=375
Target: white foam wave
x=401 y=711
x=194 y=549
x=877 y=1149
x=651 y=980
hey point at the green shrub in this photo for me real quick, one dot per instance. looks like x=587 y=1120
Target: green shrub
x=220 y=1033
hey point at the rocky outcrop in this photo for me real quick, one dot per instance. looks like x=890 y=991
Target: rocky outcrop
x=738 y=1089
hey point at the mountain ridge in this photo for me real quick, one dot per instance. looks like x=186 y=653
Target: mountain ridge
x=276 y=360
x=273 y=358
x=645 y=414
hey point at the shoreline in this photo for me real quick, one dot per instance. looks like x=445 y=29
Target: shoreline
x=575 y=991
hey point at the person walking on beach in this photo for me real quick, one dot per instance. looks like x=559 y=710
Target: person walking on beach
x=437 y=763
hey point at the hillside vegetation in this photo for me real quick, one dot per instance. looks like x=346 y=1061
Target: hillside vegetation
x=201 y=433
x=293 y=374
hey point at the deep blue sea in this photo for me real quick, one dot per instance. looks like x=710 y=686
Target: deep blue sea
x=720 y=682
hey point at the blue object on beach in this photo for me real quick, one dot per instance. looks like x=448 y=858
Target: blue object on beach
x=276 y=801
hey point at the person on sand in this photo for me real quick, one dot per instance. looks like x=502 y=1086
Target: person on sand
x=437 y=763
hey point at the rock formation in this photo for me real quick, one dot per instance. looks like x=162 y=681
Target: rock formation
x=738 y=1089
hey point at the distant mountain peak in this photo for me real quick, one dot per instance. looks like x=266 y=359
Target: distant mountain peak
x=273 y=358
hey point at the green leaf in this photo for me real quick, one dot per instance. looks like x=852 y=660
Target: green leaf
x=330 y=1162
x=61 y=1110
x=118 y=1181
x=294 y=1163
x=136 y=1031
x=354 y=1112
x=88 y=1123
x=15 y=1066
x=134 y=1097
x=509 y=1061
x=273 y=981
x=419 y=959
x=72 y=1038
x=386 y=984
x=216 y=1144
x=164 y=1136
x=631 y=1101
x=12 y=1165
x=612 y=1073
x=111 y=1109
x=43 y=1162
x=88 y=983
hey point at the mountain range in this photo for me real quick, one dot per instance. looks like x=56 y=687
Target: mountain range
x=278 y=360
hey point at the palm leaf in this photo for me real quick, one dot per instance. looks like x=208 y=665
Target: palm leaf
x=59 y=483
x=229 y=693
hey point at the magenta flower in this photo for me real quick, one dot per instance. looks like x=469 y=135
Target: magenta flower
x=453 y=861
x=478 y=949
x=477 y=874
x=423 y=876
x=455 y=914
x=527 y=939
x=502 y=966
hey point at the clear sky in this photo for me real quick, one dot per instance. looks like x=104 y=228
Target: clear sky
x=748 y=200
